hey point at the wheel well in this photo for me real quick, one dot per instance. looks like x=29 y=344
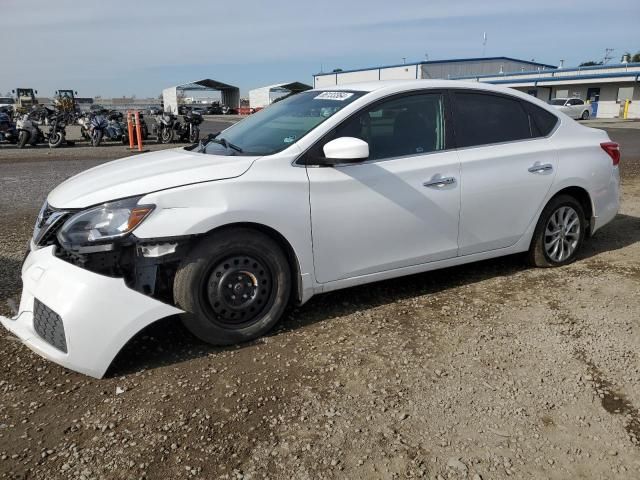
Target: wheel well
x=582 y=196
x=294 y=265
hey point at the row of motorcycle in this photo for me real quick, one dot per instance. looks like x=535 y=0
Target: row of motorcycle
x=48 y=125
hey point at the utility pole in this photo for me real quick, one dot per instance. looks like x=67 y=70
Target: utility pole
x=484 y=43
x=607 y=55
x=404 y=60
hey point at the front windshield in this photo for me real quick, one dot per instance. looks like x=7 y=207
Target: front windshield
x=558 y=101
x=281 y=124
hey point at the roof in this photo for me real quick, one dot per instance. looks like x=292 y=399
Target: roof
x=556 y=70
x=411 y=84
x=436 y=62
x=291 y=86
x=205 y=84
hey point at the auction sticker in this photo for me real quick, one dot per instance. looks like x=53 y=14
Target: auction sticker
x=338 y=96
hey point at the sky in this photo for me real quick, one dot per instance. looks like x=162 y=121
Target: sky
x=138 y=47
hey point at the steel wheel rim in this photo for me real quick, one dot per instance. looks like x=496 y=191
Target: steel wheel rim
x=239 y=289
x=562 y=234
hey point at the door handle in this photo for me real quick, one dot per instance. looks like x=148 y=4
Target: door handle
x=540 y=167
x=439 y=182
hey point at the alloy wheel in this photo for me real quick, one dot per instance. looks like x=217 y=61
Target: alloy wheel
x=562 y=234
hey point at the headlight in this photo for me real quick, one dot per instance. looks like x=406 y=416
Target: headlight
x=105 y=222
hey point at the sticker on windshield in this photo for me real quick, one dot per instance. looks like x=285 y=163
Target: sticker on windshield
x=290 y=139
x=338 y=96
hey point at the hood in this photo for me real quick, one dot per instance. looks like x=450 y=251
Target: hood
x=141 y=174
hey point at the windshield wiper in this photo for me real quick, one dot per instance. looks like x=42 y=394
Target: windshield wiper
x=226 y=144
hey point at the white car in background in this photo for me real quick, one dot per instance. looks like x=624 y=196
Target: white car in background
x=575 y=108
x=324 y=190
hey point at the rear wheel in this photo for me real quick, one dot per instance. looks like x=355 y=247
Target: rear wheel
x=585 y=115
x=234 y=286
x=559 y=233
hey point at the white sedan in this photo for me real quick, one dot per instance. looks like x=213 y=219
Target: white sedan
x=573 y=107
x=324 y=190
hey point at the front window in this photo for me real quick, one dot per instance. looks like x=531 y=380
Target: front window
x=281 y=124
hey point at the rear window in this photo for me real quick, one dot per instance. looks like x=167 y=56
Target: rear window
x=481 y=119
x=542 y=121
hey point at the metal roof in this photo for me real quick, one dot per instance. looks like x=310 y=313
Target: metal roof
x=205 y=84
x=556 y=70
x=436 y=62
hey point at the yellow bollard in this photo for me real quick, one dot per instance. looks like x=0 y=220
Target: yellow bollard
x=625 y=113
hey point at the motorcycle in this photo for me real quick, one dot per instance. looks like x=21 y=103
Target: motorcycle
x=189 y=130
x=58 y=121
x=28 y=126
x=165 y=126
x=102 y=124
x=8 y=131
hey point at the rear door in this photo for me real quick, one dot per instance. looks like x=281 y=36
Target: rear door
x=507 y=167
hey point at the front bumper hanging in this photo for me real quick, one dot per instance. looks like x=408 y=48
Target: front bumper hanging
x=78 y=318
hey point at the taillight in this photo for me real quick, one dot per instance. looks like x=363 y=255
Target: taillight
x=613 y=150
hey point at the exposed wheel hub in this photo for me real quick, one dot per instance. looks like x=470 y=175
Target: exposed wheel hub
x=238 y=289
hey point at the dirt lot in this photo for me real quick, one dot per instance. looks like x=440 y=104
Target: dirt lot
x=491 y=370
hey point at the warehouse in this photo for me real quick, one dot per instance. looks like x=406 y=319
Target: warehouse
x=430 y=69
x=613 y=91
x=265 y=96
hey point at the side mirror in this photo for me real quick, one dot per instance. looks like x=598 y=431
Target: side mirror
x=36 y=92
x=75 y=93
x=346 y=150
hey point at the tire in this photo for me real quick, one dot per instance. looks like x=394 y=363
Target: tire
x=96 y=138
x=234 y=286
x=585 y=115
x=56 y=139
x=23 y=137
x=194 y=135
x=557 y=249
x=166 y=135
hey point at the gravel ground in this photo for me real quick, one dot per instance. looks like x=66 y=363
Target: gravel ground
x=484 y=371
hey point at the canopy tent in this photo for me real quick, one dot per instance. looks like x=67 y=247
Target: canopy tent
x=264 y=96
x=230 y=94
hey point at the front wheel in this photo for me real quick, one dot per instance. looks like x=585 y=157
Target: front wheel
x=166 y=135
x=234 y=286
x=96 y=138
x=194 y=135
x=55 y=139
x=585 y=115
x=559 y=233
x=23 y=137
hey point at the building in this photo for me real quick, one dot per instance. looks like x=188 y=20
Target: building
x=265 y=96
x=606 y=87
x=442 y=69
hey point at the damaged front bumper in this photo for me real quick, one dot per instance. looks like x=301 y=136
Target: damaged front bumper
x=78 y=318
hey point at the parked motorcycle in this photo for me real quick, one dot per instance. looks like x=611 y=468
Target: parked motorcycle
x=8 y=131
x=99 y=125
x=28 y=126
x=58 y=121
x=190 y=129
x=164 y=127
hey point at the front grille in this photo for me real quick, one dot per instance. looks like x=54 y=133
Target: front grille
x=48 y=325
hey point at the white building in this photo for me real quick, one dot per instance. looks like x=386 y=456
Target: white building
x=606 y=87
x=265 y=96
x=442 y=69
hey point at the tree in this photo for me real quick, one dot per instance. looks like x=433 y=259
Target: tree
x=336 y=70
x=590 y=63
x=636 y=58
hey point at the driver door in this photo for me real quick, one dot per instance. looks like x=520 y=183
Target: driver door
x=398 y=208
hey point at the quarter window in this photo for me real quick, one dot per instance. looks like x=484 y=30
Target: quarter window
x=409 y=125
x=481 y=119
x=542 y=121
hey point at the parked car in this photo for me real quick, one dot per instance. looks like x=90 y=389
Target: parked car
x=572 y=107
x=324 y=190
